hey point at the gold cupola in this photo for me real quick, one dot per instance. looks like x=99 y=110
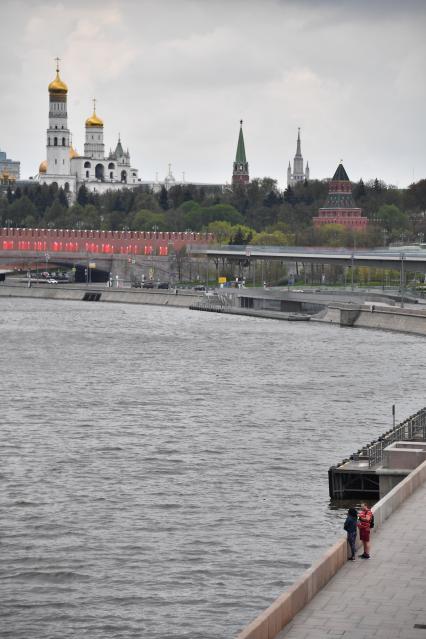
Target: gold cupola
x=94 y=120
x=73 y=153
x=57 y=86
x=43 y=167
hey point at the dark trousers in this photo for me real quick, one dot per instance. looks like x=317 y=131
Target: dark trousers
x=351 y=542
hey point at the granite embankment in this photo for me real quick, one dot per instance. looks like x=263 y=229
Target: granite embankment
x=334 y=601
x=103 y=294
x=403 y=320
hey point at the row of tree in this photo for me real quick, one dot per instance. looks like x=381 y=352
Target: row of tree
x=257 y=213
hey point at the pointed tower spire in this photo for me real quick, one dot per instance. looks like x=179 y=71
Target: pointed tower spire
x=240 y=156
x=298 y=148
x=240 y=173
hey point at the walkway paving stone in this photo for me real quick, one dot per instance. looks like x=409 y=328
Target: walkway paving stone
x=383 y=597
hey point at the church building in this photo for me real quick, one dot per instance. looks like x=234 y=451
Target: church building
x=69 y=170
x=298 y=174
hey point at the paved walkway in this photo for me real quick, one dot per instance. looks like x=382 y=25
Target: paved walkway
x=381 y=597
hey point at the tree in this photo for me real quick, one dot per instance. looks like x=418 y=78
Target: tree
x=83 y=195
x=392 y=217
x=145 y=220
x=274 y=238
x=21 y=209
x=163 y=199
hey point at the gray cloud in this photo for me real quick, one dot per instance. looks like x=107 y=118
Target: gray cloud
x=175 y=77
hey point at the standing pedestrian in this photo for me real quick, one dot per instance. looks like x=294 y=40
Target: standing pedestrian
x=351 y=528
x=365 y=523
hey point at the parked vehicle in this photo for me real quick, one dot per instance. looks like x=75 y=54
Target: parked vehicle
x=163 y=285
x=148 y=285
x=52 y=281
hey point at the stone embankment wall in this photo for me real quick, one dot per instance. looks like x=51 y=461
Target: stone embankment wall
x=379 y=317
x=124 y=296
x=281 y=612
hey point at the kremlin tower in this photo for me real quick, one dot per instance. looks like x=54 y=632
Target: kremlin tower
x=339 y=207
x=240 y=173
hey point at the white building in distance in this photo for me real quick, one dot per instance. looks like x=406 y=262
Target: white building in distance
x=298 y=174
x=69 y=170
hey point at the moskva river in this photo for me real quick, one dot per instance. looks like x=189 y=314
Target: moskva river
x=164 y=472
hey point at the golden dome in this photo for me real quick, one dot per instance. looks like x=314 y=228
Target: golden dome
x=94 y=120
x=57 y=86
x=43 y=167
x=73 y=153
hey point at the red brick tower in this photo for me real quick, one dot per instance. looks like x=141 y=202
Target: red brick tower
x=340 y=206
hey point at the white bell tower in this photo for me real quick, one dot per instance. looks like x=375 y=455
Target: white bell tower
x=58 y=134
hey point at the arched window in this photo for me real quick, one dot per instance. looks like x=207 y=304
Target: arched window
x=111 y=175
x=87 y=174
x=111 y=165
x=63 y=141
x=66 y=187
x=123 y=176
x=55 y=141
x=48 y=141
x=99 y=172
x=87 y=165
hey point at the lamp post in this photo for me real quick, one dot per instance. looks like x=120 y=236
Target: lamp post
x=402 y=279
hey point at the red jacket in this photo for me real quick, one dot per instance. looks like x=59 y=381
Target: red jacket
x=364 y=518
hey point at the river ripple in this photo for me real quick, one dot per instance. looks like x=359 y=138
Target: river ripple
x=164 y=472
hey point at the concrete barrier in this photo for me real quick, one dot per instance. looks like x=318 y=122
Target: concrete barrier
x=378 y=317
x=270 y=622
x=114 y=295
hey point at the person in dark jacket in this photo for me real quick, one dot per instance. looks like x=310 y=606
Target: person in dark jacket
x=350 y=526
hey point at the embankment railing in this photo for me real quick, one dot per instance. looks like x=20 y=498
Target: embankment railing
x=414 y=427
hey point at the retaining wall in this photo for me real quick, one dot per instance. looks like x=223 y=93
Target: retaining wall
x=377 y=317
x=270 y=622
x=124 y=296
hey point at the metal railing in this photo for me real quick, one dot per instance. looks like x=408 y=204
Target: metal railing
x=413 y=428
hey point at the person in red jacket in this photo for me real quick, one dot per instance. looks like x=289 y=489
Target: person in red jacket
x=364 y=520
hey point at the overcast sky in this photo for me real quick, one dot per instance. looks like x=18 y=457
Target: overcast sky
x=174 y=77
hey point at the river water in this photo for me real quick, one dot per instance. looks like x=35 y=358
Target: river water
x=164 y=472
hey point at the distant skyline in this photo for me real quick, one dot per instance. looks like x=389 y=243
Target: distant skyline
x=175 y=78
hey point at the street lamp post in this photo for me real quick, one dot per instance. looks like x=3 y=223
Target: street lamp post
x=402 y=279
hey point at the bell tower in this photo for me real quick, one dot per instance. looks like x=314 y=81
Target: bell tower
x=240 y=174
x=58 y=134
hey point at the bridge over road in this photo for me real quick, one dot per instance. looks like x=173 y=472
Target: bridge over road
x=413 y=259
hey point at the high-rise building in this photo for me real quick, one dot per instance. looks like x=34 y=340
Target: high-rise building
x=340 y=207
x=240 y=173
x=9 y=169
x=298 y=174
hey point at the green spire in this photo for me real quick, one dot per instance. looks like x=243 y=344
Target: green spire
x=240 y=157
